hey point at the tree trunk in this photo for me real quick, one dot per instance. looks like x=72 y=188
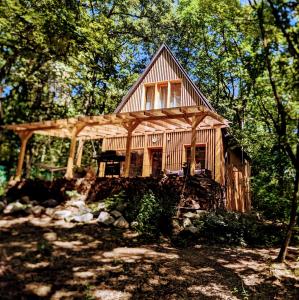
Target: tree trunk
x=293 y=215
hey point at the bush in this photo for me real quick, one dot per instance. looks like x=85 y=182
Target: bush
x=115 y=201
x=149 y=215
x=233 y=228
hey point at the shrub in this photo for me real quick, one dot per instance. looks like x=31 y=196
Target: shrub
x=148 y=215
x=115 y=201
x=233 y=228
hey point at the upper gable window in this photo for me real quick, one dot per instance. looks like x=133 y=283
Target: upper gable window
x=149 y=97
x=162 y=96
x=175 y=94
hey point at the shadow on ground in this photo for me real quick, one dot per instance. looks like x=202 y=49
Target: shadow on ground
x=43 y=259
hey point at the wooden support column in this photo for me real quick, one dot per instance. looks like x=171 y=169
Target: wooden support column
x=195 y=122
x=130 y=128
x=164 y=152
x=219 y=157
x=70 y=163
x=24 y=136
x=79 y=153
x=146 y=162
x=102 y=164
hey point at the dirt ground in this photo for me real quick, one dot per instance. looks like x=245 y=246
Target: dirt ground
x=45 y=259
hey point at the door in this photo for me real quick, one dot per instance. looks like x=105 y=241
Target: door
x=156 y=161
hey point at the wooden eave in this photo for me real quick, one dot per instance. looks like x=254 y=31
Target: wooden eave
x=114 y=125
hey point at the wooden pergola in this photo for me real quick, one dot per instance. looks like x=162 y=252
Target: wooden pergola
x=81 y=128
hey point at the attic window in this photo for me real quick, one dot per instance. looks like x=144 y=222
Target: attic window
x=175 y=94
x=162 y=95
x=149 y=97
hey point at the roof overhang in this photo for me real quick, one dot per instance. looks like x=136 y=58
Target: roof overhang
x=115 y=125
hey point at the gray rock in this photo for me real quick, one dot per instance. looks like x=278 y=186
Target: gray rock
x=2 y=205
x=121 y=223
x=191 y=215
x=101 y=206
x=83 y=218
x=134 y=224
x=76 y=203
x=50 y=203
x=14 y=207
x=49 y=211
x=187 y=223
x=37 y=210
x=121 y=207
x=201 y=212
x=116 y=213
x=105 y=218
x=25 y=200
x=192 y=229
x=62 y=214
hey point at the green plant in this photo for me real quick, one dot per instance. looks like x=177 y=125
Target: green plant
x=149 y=215
x=115 y=200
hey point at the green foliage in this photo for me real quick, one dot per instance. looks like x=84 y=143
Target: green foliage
x=233 y=228
x=116 y=200
x=148 y=215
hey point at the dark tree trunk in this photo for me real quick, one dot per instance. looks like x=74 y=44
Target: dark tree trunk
x=293 y=216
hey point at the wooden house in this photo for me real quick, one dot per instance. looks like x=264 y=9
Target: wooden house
x=162 y=125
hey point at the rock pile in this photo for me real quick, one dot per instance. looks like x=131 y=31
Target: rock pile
x=73 y=210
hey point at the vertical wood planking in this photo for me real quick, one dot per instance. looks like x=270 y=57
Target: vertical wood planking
x=163 y=69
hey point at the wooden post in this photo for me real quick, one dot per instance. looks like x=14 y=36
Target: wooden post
x=70 y=163
x=130 y=128
x=164 y=152
x=168 y=94
x=146 y=163
x=79 y=153
x=24 y=136
x=219 y=157
x=195 y=122
x=103 y=164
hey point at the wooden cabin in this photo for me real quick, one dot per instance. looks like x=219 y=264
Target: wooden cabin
x=163 y=125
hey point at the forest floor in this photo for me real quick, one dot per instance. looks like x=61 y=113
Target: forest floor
x=46 y=259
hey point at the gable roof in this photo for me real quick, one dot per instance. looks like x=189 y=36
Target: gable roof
x=147 y=69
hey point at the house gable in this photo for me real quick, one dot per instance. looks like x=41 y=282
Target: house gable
x=164 y=67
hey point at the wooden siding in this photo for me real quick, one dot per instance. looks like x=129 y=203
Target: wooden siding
x=164 y=69
x=175 y=146
x=237 y=175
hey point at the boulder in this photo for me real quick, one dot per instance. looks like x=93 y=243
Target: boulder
x=2 y=205
x=62 y=214
x=49 y=211
x=187 y=223
x=121 y=206
x=105 y=218
x=192 y=229
x=25 y=200
x=83 y=218
x=201 y=212
x=116 y=213
x=14 y=207
x=101 y=206
x=121 y=223
x=50 y=203
x=77 y=203
x=134 y=224
x=191 y=215
x=37 y=210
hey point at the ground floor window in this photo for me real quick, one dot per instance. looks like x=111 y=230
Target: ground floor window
x=200 y=156
x=136 y=163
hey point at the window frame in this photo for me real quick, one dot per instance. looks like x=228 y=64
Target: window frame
x=185 y=148
x=157 y=94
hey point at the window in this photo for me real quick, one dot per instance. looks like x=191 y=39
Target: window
x=200 y=156
x=162 y=100
x=175 y=95
x=149 y=97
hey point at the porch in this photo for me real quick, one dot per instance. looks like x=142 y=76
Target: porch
x=128 y=126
